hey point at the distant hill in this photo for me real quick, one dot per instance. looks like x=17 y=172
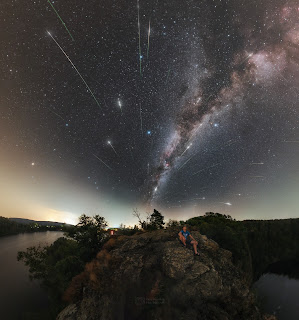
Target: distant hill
x=42 y=223
x=10 y=226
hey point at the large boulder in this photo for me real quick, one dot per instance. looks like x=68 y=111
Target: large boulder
x=152 y=276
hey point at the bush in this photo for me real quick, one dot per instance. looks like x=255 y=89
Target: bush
x=56 y=265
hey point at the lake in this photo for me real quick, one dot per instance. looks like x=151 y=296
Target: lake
x=18 y=295
x=279 y=296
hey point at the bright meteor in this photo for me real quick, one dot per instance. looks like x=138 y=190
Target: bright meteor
x=140 y=56
x=110 y=144
x=188 y=147
x=120 y=105
x=256 y=163
x=246 y=58
x=226 y=203
x=148 y=37
x=95 y=99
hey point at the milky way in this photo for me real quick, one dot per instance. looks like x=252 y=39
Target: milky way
x=253 y=62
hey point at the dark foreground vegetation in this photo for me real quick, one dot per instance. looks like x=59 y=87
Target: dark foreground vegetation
x=255 y=246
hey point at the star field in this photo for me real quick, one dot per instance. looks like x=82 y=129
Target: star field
x=183 y=106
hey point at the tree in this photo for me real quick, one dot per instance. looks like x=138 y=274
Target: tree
x=54 y=266
x=172 y=223
x=153 y=221
x=143 y=223
x=57 y=264
x=156 y=220
x=90 y=234
x=137 y=214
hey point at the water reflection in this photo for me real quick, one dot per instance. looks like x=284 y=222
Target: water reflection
x=279 y=295
x=18 y=295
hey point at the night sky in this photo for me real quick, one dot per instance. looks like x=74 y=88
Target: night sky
x=182 y=106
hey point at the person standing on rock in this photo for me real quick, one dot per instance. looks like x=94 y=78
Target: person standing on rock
x=184 y=236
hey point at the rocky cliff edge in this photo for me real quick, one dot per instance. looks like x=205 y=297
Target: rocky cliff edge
x=152 y=276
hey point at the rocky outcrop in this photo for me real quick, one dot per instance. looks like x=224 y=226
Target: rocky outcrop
x=152 y=276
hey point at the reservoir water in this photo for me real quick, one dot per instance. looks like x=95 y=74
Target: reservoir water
x=20 y=297
x=279 y=295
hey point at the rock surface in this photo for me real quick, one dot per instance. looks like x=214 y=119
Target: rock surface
x=152 y=276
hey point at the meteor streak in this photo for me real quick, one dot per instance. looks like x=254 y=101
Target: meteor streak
x=249 y=56
x=74 y=68
x=203 y=198
x=256 y=176
x=102 y=161
x=215 y=165
x=168 y=73
x=141 y=128
x=110 y=144
x=256 y=163
x=227 y=203
x=61 y=20
x=58 y=115
x=184 y=163
x=229 y=143
x=120 y=105
x=140 y=57
x=188 y=147
x=148 y=37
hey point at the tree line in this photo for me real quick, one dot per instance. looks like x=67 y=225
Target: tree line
x=8 y=227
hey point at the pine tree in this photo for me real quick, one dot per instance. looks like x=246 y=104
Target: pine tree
x=157 y=220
